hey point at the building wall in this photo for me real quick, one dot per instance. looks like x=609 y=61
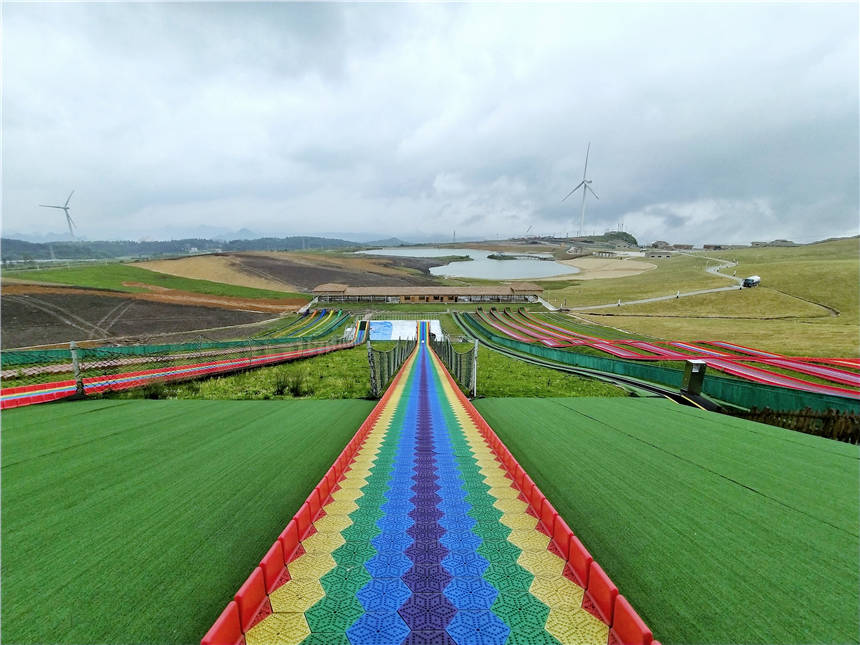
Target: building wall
x=425 y=299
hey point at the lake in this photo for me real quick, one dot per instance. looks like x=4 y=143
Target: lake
x=482 y=266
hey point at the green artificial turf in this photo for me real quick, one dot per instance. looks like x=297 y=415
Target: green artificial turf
x=137 y=521
x=718 y=530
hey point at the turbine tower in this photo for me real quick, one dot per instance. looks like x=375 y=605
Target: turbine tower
x=585 y=184
x=65 y=209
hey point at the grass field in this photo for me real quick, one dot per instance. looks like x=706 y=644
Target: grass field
x=135 y=521
x=718 y=530
x=683 y=272
x=345 y=375
x=116 y=276
x=808 y=304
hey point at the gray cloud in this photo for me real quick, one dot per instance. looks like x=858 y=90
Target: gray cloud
x=708 y=122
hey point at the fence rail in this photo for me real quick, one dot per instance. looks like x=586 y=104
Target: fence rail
x=463 y=366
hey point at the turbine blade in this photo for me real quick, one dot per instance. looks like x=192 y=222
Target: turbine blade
x=70 y=197
x=592 y=190
x=47 y=206
x=585 y=170
x=574 y=190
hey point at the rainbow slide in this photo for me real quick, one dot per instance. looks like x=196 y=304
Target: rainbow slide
x=427 y=530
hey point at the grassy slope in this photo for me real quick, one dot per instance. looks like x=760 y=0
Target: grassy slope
x=686 y=273
x=156 y=511
x=113 y=276
x=500 y=375
x=796 y=282
x=716 y=529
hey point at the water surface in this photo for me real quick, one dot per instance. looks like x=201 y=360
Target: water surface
x=481 y=266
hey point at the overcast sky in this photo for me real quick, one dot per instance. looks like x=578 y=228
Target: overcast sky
x=707 y=123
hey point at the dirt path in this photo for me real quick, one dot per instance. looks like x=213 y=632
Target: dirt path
x=592 y=268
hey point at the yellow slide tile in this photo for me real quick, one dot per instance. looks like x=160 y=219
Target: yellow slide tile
x=323 y=542
x=511 y=505
x=575 y=626
x=279 y=629
x=333 y=523
x=311 y=565
x=541 y=563
x=529 y=539
x=296 y=595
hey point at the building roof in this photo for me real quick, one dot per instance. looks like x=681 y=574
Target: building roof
x=335 y=288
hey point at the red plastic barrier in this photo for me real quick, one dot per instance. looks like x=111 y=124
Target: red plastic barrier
x=226 y=630
x=289 y=540
x=323 y=489
x=579 y=562
x=273 y=565
x=332 y=478
x=627 y=627
x=599 y=596
x=314 y=503
x=519 y=473
x=304 y=520
x=561 y=535
x=532 y=493
x=252 y=600
x=547 y=516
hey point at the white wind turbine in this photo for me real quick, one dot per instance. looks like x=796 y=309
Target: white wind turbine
x=65 y=209
x=585 y=184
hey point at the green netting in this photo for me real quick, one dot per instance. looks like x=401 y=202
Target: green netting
x=17 y=358
x=384 y=364
x=463 y=366
x=745 y=394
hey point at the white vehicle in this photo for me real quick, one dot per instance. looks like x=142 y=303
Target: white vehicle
x=752 y=281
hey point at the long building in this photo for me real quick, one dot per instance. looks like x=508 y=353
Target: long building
x=514 y=292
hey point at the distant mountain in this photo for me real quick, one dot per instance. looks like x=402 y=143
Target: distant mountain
x=391 y=241
x=38 y=237
x=13 y=250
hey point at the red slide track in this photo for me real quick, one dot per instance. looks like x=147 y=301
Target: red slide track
x=13 y=397
x=523 y=327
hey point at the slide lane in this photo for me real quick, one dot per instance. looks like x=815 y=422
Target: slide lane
x=548 y=338
x=424 y=539
x=822 y=371
x=572 y=338
x=13 y=397
x=728 y=363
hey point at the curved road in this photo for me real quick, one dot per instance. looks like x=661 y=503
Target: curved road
x=712 y=269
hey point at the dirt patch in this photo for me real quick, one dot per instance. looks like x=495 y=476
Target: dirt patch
x=307 y=271
x=217 y=268
x=170 y=296
x=602 y=268
x=60 y=316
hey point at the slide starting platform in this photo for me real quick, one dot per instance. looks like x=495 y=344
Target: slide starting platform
x=427 y=530
x=401 y=329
